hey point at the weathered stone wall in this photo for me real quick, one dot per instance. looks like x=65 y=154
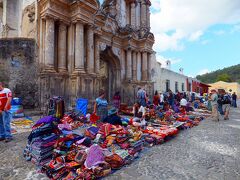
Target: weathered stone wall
x=18 y=69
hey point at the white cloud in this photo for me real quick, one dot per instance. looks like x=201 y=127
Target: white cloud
x=236 y=28
x=220 y=32
x=195 y=36
x=203 y=71
x=189 y=19
x=204 y=42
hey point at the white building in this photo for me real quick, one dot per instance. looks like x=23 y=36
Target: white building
x=166 y=79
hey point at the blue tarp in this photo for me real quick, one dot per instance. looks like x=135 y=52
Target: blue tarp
x=81 y=106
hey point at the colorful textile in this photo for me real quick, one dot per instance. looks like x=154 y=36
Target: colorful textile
x=94 y=157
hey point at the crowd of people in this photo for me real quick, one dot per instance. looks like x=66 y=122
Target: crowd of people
x=217 y=101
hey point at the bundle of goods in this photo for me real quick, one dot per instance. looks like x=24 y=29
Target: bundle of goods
x=17 y=108
x=44 y=134
x=56 y=107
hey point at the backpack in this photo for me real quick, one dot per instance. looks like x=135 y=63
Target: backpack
x=226 y=99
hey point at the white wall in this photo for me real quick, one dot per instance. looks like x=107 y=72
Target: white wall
x=161 y=75
x=173 y=77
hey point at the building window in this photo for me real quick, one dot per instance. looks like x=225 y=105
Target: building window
x=176 y=87
x=167 y=85
x=183 y=89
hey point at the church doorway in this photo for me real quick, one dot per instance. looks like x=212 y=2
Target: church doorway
x=109 y=73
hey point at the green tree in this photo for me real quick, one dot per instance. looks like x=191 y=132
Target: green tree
x=224 y=77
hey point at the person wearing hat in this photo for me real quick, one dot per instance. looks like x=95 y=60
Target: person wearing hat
x=214 y=103
x=101 y=106
x=113 y=117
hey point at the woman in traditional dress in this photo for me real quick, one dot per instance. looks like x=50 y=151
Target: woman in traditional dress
x=101 y=106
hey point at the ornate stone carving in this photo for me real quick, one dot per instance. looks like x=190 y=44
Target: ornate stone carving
x=117 y=52
x=103 y=46
x=109 y=8
x=28 y=21
x=111 y=26
x=30 y=12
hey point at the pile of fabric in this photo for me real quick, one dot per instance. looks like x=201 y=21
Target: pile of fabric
x=78 y=146
x=41 y=141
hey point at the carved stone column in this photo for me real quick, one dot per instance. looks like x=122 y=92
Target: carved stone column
x=134 y=62
x=49 y=44
x=97 y=54
x=139 y=66
x=149 y=65
x=138 y=15
x=143 y=14
x=79 y=48
x=70 y=47
x=62 y=48
x=90 y=50
x=148 y=16
x=133 y=14
x=129 y=65
x=144 y=66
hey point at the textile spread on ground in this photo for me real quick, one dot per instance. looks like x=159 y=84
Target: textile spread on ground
x=79 y=146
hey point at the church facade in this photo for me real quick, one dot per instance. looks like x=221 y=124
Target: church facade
x=85 y=46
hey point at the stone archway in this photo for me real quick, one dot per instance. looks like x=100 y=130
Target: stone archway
x=109 y=72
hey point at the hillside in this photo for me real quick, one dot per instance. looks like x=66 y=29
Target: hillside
x=229 y=74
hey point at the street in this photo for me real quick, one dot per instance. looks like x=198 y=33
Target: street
x=209 y=151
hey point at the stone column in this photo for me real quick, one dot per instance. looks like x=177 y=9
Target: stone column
x=144 y=66
x=62 y=48
x=90 y=50
x=97 y=55
x=134 y=62
x=139 y=66
x=148 y=16
x=129 y=65
x=70 y=48
x=49 y=44
x=143 y=14
x=133 y=15
x=79 y=48
x=149 y=65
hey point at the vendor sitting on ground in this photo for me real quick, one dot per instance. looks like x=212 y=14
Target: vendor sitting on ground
x=139 y=115
x=113 y=117
x=138 y=110
x=100 y=106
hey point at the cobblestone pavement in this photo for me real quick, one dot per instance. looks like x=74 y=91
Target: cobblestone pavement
x=209 y=151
